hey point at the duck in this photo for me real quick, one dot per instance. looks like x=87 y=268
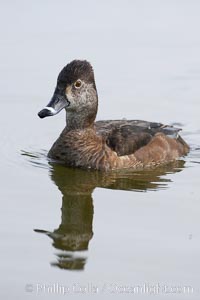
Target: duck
x=105 y=145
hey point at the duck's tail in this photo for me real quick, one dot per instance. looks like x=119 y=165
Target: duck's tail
x=185 y=146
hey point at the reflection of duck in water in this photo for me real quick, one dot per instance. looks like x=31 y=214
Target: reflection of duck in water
x=105 y=145
x=75 y=230
x=77 y=186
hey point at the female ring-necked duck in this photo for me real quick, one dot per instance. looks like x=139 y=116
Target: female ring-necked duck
x=105 y=145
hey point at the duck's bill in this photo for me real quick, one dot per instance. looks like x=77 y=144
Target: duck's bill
x=56 y=104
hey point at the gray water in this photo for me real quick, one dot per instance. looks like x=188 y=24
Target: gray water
x=79 y=234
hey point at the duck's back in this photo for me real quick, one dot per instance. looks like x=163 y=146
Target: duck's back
x=127 y=136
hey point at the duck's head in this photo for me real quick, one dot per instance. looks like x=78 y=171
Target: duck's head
x=76 y=92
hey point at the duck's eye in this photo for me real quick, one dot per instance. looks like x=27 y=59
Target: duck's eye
x=78 y=84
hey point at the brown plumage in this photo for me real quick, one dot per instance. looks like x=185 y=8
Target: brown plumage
x=105 y=145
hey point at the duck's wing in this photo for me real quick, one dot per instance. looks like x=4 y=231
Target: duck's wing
x=127 y=136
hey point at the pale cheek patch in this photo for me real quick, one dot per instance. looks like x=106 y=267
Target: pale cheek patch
x=68 y=92
x=51 y=109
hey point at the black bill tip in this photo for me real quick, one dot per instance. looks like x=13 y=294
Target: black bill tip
x=44 y=113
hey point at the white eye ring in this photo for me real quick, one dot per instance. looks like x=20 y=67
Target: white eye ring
x=78 y=84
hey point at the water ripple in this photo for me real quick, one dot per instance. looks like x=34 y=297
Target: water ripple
x=37 y=159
